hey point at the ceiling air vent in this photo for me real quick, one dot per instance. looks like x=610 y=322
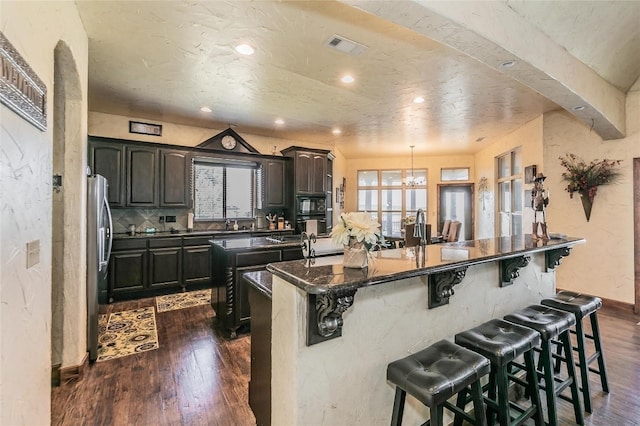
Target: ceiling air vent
x=345 y=45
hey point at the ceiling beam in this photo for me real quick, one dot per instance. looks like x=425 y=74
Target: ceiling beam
x=493 y=33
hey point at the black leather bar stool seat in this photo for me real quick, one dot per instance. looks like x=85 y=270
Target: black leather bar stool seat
x=435 y=374
x=583 y=306
x=552 y=324
x=502 y=343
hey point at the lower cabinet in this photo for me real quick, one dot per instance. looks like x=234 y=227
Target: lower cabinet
x=142 y=267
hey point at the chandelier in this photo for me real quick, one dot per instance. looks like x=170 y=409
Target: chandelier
x=413 y=181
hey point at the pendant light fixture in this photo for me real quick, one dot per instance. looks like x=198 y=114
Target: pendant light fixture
x=411 y=181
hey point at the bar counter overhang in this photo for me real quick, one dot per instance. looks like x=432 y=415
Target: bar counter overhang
x=336 y=329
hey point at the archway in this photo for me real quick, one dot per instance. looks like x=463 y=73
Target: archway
x=68 y=323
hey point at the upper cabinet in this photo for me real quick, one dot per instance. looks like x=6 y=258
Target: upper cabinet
x=107 y=159
x=142 y=175
x=275 y=183
x=310 y=170
x=175 y=178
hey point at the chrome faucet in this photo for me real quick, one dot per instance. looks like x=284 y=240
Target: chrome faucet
x=419 y=229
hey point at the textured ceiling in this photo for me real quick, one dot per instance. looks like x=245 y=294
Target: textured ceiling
x=164 y=60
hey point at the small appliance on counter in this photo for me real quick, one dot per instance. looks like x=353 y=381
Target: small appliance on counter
x=260 y=219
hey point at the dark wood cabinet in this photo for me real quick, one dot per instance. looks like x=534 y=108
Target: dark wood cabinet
x=318 y=174
x=165 y=262
x=175 y=178
x=309 y=170
x=231 y=299
x=128 y=268
x=196 y=261
x=107 y=159
x=142 y=176
x=275 y=184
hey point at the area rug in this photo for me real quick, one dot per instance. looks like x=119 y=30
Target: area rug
x=126 y=333
x=188 y=299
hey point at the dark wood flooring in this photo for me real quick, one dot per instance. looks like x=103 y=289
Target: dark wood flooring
x=199 y=377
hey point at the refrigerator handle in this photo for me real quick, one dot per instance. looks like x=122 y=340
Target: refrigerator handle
x=109 y=235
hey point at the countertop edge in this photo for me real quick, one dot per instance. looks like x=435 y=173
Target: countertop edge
x=279 y=269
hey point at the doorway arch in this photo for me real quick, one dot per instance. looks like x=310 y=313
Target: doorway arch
x=68 y=305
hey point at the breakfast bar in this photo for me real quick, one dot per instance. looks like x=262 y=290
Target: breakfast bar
x=334 y=329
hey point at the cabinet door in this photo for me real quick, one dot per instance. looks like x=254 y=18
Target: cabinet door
x=142 y=176
x=319 y=174
x=165 y=267
x=275 y=184
x=127 y=272
x=175 y=182
x=304 y=167
x=242 y=310
x=196 y=267
x=107 y=159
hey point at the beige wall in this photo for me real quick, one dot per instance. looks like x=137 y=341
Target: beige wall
x=34 y=29
x=527 y=137
x=432 y=164
x=603 y=266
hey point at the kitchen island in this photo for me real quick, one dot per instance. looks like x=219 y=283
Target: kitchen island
x=230 y=258
x=334 y=330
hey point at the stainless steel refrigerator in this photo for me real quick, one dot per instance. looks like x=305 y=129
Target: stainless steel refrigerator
x=99 y=239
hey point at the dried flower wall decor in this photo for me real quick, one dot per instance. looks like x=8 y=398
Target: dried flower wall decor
x=584 y=178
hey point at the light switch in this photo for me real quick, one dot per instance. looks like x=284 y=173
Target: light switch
x=33 y=253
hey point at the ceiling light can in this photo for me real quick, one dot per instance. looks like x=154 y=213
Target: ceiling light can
x=245 y=49
x=347 y=79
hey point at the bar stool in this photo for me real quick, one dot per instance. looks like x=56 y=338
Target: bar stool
x=552 y=324
x=502 y=342
x=435 y=374
x=582 y=306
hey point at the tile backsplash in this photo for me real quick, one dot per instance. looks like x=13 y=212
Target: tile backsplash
x=150 y=218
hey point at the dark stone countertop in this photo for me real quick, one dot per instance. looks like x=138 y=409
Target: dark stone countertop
x=240 y=244
x=328 y=274
x=183 y=233
x=260 y=280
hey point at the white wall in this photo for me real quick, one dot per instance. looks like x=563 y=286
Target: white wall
x=34 y=29
x=603 y=266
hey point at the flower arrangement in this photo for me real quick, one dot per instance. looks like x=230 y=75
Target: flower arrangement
x=585 y=178
x=358 y=226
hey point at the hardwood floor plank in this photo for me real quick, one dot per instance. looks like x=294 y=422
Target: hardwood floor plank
x=200 y=377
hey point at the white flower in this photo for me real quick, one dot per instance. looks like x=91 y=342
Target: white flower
x=359 y=225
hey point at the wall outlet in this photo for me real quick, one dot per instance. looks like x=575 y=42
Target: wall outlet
x=171 y=219
x=33 y=253
x=161 y=218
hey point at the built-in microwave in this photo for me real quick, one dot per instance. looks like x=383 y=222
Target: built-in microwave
x=309 y=206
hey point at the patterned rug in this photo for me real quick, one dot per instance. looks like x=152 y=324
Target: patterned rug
x=126 y=333
x=188 y=299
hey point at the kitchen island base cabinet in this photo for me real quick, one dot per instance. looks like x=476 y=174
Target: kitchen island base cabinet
x=230 y=260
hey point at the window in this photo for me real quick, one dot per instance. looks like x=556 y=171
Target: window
x=225 y=189
x=383 y=194
x=449 y=174
x=510 y=203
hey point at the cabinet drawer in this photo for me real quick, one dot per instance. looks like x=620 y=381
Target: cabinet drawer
x=257 y=258
x=165 y=242
x=129 y=244
x=202 y=240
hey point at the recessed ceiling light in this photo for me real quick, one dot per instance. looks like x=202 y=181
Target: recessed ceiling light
x=578 y=108
x=245 y=49
x=336 y=131
x=418 y=100
x=205 y=109
x=508 y=64
x=347 y=79
x=279 y=121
